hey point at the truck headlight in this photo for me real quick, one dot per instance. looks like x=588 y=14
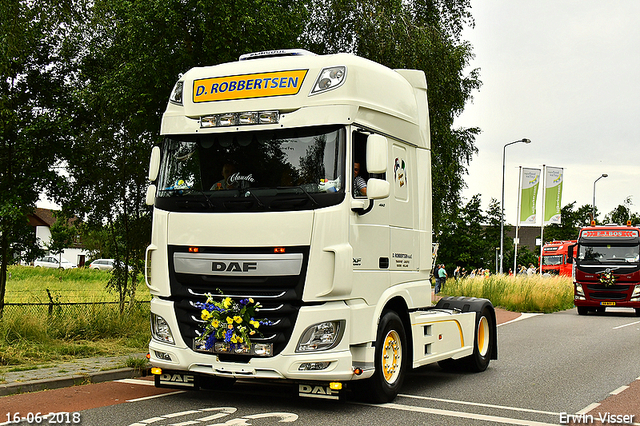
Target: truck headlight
x=160 y=329
x=579 y=290
x=636 y=293
x=322 y=336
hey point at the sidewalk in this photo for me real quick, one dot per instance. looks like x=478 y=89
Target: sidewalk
x=76 y=372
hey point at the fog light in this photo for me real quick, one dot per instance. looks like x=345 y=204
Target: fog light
x=162 y=355
x=335 y=385
x=313 y=366
x=156 y=371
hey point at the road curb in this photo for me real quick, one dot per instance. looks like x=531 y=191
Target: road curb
x=74 y=380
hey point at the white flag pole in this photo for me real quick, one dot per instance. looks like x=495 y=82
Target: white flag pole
x=515 y=241
x=544 y=191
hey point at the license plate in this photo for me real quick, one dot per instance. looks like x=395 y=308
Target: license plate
x=607 y=303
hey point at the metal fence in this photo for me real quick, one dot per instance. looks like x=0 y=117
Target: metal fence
x=54 y=308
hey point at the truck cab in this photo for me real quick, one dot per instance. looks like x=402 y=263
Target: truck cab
x=297 y=187
x=606 y=268
x=555 y=258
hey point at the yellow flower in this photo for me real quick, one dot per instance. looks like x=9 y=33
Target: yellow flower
x=250 y=300
x=229 y=320
x=230 y=326
x=215 y=323
x=237 y=319
x=227 y=302
x=234 y=339
x=255 y=324
x=239 y=339
x=205 y=315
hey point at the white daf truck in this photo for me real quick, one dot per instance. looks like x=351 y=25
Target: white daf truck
x=300 y=183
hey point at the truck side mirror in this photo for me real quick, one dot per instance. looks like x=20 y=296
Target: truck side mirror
x=154 y=164
x=151 y=195
x=377 y=152
x=377 y=189
x=570 y=254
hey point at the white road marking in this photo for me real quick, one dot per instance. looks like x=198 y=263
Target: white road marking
x=460 y=414
x=588 y=408
x=522 y=316
x=136 y=382
x=477 y=404
x=620 y=389
x=144 y=398
x=626 y=325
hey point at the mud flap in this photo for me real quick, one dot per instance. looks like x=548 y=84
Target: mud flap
x=472 y=304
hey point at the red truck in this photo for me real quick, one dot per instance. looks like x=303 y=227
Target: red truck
x=555 y=258
x=606 y=268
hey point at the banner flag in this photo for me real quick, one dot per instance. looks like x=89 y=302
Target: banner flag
x=553 y=195
x=529 y=196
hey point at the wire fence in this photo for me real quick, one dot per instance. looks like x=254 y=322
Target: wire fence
x=60 y=309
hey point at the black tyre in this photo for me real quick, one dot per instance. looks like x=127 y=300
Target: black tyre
x=638 y=312
x=483 y=342
x=391 y=359
x=583 y=310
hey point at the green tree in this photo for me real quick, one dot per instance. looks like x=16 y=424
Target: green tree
x=417 y=34
x=128 y=56
x=572 y=221
x=31 y=97
x=622 y=214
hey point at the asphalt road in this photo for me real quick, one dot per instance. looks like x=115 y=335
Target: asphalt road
x=547 y=365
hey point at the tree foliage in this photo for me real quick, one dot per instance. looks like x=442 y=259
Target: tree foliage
x=32 y=95
x=414 y=34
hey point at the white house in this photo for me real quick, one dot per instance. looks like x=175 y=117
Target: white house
x=42 y=220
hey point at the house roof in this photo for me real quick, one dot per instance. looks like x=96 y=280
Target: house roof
x=42 y=217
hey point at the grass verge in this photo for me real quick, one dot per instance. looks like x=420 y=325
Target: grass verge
x=518 y=294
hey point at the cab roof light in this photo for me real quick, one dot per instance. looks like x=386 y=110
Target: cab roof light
x=246 y=118
x=194 y=249
x=279 y=250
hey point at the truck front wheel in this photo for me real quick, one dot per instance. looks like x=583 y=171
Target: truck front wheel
x=390 y=360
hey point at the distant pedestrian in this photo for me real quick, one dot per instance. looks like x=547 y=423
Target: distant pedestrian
x=456 y=273
x=442 y=274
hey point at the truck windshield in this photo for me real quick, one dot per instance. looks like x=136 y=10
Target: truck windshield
x=607 y=253
x=289 y=169
x=554 y=260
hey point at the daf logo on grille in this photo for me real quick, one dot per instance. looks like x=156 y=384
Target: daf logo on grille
x=234 y=266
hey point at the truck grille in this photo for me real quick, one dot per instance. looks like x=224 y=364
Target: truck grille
x=602 y=292
x=280 y=297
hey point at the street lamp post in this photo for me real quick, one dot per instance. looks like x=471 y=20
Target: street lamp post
x=593 y=206
x=504 y=153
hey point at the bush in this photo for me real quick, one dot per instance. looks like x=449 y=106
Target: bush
x=519 y=294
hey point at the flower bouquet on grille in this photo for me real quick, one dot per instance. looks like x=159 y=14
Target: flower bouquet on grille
x=607 y=278
x=228 y=324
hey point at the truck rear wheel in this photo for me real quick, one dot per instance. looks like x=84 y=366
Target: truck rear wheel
x=390 y=360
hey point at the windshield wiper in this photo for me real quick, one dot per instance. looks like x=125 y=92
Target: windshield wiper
x=300 y=187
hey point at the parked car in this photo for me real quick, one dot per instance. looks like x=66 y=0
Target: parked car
x=102 y=264
x=52 y=262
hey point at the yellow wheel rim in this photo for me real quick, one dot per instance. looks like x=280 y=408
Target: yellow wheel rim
x=483 y=336
x=391 y=356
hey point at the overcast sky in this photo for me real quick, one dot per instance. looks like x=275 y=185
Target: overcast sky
x=566 y=75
